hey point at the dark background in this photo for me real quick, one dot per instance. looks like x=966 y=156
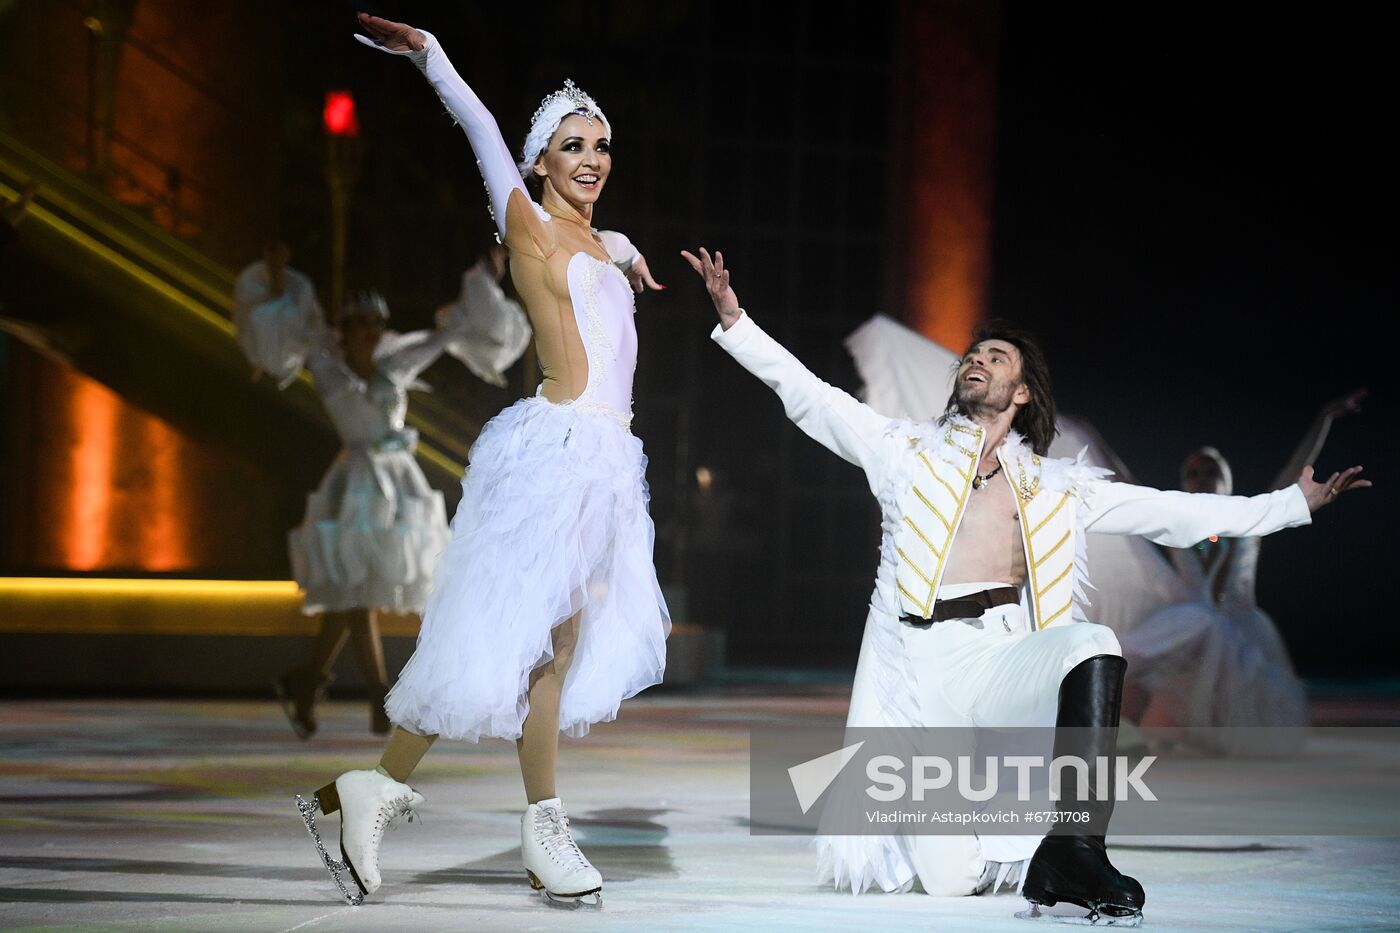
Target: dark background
x=1196 y=210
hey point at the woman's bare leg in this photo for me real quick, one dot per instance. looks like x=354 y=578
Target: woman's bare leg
x=538 y=745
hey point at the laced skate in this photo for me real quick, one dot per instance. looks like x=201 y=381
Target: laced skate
x=553 y=861
x=368 y=803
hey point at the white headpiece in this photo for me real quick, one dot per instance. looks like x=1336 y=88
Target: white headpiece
x=366 y=304
x=1227 y=478
x=553 y=110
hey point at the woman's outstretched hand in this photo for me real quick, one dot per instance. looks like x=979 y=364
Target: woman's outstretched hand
x=640 y=276
x=716 y=278
x=391 y=36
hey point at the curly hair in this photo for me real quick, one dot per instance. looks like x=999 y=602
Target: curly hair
x=1036 y=419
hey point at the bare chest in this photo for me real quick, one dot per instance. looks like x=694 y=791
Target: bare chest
x=988 y=546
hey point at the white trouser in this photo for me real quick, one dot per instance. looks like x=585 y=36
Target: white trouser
x=988 y=672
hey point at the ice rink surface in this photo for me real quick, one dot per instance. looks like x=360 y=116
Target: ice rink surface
x=170 y=815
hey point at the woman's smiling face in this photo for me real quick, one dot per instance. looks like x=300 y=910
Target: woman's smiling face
x=577 y=160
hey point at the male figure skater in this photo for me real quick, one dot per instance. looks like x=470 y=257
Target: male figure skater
x=976 y=617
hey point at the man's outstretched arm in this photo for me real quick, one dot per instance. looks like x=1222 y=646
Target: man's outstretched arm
x=825 y=413
x=1182 y=519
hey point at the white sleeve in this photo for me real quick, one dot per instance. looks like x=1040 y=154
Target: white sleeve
x=276 y=333
x=1182 y=519
x=402 y=357
x=492 y=154
x=620 y=248
x=484 y=328
x=828 y=415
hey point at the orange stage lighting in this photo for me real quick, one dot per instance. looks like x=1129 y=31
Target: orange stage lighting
x=92 y=421
x=946 y=148
x=164 y=544
x=120 y=493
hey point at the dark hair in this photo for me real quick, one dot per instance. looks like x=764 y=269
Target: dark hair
x=1036 y=419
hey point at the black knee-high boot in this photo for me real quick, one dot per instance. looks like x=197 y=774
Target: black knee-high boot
x=1067 y=866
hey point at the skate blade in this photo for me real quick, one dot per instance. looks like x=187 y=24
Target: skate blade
x=592 y=899
x=336 y=867
x=1076 y=915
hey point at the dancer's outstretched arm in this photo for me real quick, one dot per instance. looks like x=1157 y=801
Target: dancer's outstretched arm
x=630 y=260
x=277 y=319
x=1311 y=444
x=492 y=154
x=1182 y=519
x=831 y=417
x=410 y=354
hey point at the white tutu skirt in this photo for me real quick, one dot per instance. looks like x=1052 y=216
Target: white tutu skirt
x=1217 y=667
x=553 y=521
x=371 y=536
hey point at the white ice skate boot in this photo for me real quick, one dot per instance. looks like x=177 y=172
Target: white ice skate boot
x=368 y=802
x=552 y=858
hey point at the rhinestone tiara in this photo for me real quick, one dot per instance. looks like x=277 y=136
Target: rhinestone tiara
x=553 y=109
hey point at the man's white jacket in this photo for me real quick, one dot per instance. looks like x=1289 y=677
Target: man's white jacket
x=922 y=474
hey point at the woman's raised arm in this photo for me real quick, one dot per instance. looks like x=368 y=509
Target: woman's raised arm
x=492 y=153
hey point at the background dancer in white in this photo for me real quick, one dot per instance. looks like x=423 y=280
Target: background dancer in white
x=1215 y=658
x=975 y=616
x=373 y=528
x=545 y=612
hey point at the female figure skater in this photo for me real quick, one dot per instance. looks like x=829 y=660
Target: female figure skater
x=374 y=528
x=1215 y=659
x=545 y=612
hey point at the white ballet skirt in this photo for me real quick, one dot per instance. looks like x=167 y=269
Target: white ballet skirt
x=372 y=532
x=1217 y=660
x=553 y=520
x=373 y=529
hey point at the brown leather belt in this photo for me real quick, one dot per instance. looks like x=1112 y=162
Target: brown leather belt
x=970 y=606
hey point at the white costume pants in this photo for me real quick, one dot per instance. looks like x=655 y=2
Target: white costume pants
x=987 y=672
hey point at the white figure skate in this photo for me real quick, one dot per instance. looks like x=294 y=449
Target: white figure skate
x=553 y=861
x=368 y=803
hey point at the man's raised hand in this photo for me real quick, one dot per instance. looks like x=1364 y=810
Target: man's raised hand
x=716 y=278
x=1319 y=494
